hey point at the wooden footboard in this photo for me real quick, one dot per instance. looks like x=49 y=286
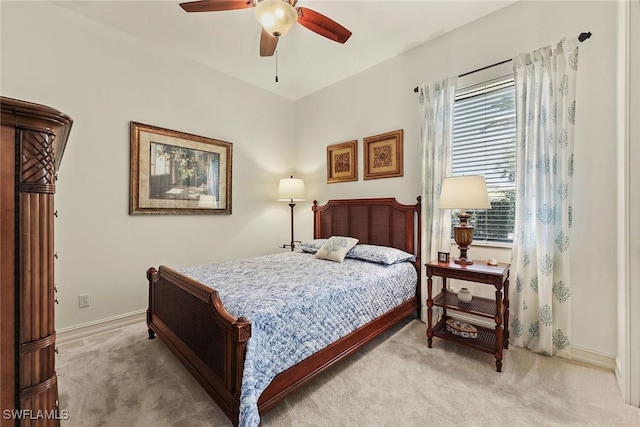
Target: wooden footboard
x=190 y=319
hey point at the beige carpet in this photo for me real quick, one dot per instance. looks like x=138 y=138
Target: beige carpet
x=120 y=378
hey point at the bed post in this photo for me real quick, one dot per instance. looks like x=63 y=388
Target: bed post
x=241 y=333
x=316 y=222
x=152 y=275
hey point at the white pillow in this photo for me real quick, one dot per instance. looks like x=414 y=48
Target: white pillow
x=336 y=248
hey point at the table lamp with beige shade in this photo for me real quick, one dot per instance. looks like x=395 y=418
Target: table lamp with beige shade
x=464 y=192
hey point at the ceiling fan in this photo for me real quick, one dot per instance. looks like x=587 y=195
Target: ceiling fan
x=276 y=17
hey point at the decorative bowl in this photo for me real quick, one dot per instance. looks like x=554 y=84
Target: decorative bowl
x=462 y=329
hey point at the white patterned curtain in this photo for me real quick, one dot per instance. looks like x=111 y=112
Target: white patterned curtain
x=436 y=114
x=540 y=289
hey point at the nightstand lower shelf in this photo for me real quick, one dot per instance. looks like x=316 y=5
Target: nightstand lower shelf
x=486 y=340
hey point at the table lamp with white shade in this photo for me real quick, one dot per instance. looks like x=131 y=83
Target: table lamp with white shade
x=464 y=192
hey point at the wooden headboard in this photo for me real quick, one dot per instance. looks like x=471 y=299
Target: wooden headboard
x=381 y=221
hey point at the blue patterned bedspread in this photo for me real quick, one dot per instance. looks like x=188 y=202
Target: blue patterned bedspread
x=297 y=305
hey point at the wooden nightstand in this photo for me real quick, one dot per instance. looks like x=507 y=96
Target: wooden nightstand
x=488 y=340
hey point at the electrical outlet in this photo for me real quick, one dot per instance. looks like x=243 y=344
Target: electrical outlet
x=83 y=300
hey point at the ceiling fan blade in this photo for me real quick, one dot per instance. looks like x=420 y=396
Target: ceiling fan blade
x=318 y=23
x=215 y=5
x=268 y=44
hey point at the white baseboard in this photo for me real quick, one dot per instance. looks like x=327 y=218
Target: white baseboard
x=593 y=358
x=103 y=325
x=619 y=374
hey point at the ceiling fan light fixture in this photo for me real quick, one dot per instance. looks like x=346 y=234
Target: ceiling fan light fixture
x=276 y=16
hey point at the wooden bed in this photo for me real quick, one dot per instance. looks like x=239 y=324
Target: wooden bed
x=190 y=318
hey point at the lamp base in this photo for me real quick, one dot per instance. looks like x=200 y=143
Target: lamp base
x=291 y=245
x=463 y=235
x=293 y=242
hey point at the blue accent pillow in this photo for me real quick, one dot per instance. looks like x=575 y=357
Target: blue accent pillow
x=312 y=246
x=380 y=254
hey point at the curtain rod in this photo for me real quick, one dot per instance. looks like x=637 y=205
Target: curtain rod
x=582 y=37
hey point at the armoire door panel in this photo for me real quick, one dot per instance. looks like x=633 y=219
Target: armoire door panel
x=33 y=139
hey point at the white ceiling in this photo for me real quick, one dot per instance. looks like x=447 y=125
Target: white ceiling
x=228 y=41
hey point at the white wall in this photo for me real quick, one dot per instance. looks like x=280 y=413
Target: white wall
x=382 y=99
x=103 y=79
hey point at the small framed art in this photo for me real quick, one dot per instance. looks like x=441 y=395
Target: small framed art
x=443 y=257
x=383 y=155
x=342 y=162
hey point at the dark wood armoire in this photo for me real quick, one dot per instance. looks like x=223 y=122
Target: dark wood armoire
x=31 y=145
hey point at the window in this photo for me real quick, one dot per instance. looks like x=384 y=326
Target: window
x=484 y=137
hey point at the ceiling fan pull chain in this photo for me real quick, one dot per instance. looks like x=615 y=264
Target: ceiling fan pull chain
x=276 y=66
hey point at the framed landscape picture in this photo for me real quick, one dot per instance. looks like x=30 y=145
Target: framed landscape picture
x=342 y=162
x=176 y=173
x=383 y=155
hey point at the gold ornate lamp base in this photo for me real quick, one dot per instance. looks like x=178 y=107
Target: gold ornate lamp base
x=463 y=235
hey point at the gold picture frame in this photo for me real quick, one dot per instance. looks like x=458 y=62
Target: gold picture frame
x=176 y=173
x=342 y=162
x=383 y=155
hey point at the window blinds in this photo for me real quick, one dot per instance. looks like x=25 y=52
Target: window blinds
x=484 y=133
